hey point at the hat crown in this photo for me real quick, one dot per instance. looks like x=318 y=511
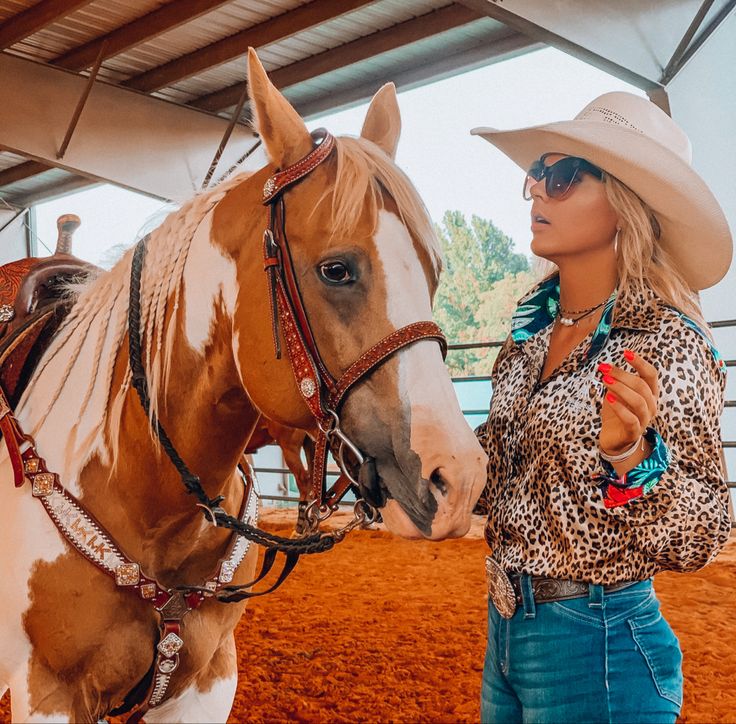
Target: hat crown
x=641 y=115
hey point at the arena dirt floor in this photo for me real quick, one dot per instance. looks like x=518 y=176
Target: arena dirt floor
x=386 y=630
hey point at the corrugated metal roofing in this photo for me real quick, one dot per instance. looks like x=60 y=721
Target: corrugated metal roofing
x=100 y=17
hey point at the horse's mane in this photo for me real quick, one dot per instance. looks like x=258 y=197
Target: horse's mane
x=365 y=172
x=105 y=298
x=99 y=315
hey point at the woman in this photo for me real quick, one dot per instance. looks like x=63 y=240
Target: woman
x=603 y=436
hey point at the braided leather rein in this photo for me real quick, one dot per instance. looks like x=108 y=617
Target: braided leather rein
x=320 y=391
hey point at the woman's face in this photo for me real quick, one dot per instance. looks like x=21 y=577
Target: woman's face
x=580 y=223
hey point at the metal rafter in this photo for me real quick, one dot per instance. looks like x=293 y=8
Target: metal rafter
x=138 y=31
x=38 y=16
x=491 y=50
x=676 y=64
x=539 y=33
x=401 y=34
x=22 y=171
x=130 y=139
x=270 y=31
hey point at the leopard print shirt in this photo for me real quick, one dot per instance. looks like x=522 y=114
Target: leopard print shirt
x=547 y=512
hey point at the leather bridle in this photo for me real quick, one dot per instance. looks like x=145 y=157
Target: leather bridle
x=321 y=392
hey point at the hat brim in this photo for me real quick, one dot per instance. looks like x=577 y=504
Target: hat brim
x=694 y=228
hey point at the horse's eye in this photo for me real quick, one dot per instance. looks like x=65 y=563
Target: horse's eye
x=335 y=272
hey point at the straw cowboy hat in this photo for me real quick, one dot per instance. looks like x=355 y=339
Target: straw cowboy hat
x=635 y=141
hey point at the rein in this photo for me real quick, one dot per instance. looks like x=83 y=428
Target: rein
x=320 y=391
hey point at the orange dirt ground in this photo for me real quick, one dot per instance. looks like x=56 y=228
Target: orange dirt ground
x=387 y=630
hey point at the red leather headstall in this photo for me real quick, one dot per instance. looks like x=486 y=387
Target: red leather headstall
x=321 y=392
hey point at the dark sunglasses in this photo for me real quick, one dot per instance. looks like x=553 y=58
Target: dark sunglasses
x=559 y=176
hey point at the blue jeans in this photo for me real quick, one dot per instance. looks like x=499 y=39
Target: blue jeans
x=608 y=657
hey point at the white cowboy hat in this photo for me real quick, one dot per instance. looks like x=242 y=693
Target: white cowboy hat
x=638 y=143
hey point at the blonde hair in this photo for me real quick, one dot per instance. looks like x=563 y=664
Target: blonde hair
x=642 y=262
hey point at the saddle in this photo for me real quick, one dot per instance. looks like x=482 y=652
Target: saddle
x=33 y=304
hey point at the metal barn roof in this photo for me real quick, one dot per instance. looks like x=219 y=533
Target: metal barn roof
x=140 y=93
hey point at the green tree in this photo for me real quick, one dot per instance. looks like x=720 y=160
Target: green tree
x=480 y=283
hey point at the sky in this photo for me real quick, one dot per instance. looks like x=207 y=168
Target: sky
x=450 y=168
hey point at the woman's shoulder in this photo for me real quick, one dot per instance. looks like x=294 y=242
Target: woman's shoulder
x=686 y=335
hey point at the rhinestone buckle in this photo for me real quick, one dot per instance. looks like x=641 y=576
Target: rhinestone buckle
x=307 y=387
x=170 y=644
x=500 y=589
x=6 y=312
x=269 y=187
x=127 y=574
x=43 y=485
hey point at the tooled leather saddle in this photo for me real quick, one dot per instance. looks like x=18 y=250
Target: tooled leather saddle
x=33 y=305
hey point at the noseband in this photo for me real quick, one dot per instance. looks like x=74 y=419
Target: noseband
x=321 y=392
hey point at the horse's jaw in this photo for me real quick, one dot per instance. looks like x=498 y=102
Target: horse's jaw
x=448 y=523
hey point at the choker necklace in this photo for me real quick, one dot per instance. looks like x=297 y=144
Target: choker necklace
x=570 y=318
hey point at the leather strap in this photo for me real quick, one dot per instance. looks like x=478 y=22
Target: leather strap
x=12 y=438
x=321 y=393
x=281 y=180
x=381 y=351
x=547 y=589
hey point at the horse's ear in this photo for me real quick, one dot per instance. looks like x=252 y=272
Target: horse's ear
x=382 y=123
x=285 y=137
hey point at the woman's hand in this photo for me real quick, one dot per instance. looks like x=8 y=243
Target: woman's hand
x=630 y=403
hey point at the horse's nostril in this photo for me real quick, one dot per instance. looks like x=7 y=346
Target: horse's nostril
x=438 y=481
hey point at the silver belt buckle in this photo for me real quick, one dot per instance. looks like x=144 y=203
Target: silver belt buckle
x=500 y=589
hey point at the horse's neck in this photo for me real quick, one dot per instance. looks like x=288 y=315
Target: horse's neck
x=112 y=462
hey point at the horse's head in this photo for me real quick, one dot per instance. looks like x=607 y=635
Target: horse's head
x=367 y=263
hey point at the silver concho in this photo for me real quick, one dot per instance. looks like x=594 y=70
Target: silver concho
x=307 y=387
x=167 y=666
x=6 y=312
x=500 y=589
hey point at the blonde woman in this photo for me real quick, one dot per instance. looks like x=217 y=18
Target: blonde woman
x=604 y=434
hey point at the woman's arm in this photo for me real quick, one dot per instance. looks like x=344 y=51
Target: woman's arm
x=680 y=516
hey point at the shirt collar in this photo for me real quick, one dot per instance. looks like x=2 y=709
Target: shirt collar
x=625 y=309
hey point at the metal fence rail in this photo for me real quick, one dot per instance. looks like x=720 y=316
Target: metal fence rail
x=727 y=444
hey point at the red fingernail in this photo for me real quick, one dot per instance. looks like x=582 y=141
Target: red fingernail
x=608 y=379
x=611 y=397
x=629 y=354
x=604 y=367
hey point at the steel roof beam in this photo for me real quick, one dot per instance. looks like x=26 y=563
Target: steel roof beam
x=127 y=138
x=138 y=31
x=410 y=31
x=490 y=50
x=678 y=62
x=38 y=16
x=21 y=172
x=270 y=31
x=541 y=34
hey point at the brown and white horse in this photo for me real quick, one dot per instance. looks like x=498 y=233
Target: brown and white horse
x=73 y=644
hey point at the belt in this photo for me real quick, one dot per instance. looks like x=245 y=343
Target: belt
x=505 y=588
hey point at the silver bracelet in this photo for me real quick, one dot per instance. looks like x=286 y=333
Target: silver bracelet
x=627 y=454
